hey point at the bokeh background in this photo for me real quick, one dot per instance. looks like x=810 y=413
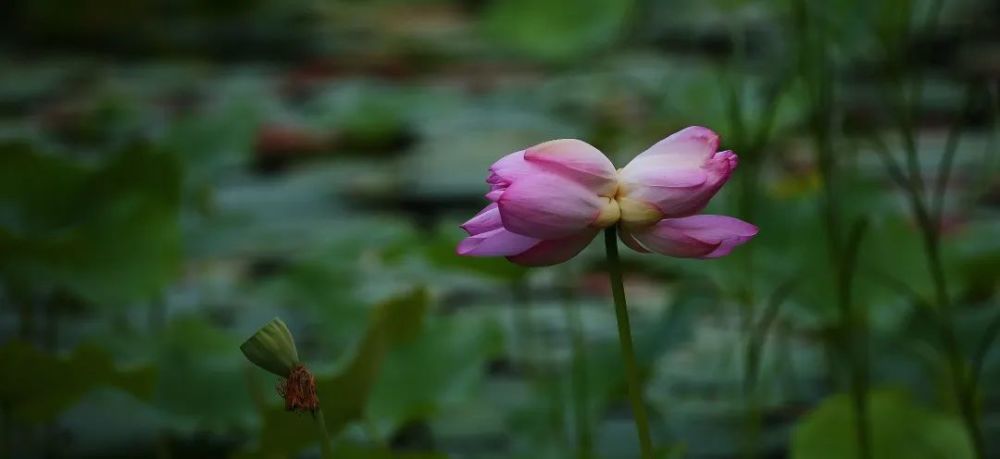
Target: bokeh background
x=175 y=173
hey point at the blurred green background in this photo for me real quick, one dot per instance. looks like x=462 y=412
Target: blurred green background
x=175 y=173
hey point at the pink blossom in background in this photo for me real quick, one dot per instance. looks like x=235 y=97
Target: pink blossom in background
x=550 y=200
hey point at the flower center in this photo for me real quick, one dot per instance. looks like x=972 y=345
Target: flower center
x=609 y=215
x=637 y=213
x=619 y=207
x=634 y=212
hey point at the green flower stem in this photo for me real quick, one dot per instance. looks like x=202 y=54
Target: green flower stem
x=625 y=338
x=524 y=329
x=325 y=445
x=581 y=419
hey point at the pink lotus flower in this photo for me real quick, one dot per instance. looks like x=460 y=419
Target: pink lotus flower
x=550 y=200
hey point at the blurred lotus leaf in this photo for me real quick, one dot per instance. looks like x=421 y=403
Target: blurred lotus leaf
x=202 y=380
x=441 y=365
x=900 y=428
x=366 y=118
x=218 y=139
x=107 y=233
x=38 y=386
x=557 y=30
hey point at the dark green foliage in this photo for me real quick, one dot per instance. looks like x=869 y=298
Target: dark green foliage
x=173 y=174
x=901 y=428
x=108 y=232
x=558 y=30
x=37 y=386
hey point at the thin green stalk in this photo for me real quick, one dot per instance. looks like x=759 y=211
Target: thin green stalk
x=766 y=126
x=751 y=426
x=855 y=323
x=948 y=158
x=979 y=358
x=892 y=168
x=625 y=340
x=758 y=334
x=556 y=408
x=930 y=232
x=752 y=147
x=929 y=218
x=817 y=73
x=584 y=439
x=966 y=400
x=983 y=179
x=914 y=169
x=524 y=333
x=852 y=331
x=751 y=413
x=325 y=445
x=734 y=103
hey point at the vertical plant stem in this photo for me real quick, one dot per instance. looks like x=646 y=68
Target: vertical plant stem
x=584 y=440
x=735 y=84
x=964 y=397
x=325 y=445
x=817 y=71
x=751 y=426
x=752 y=144
x=948 y=157
x=979 y=358
x=625 y=340
x=928 y=221
x=928 y=214
x=524 y=333
x=855 y=332
x=759 y=330
x=752 y=414
x=557 y=403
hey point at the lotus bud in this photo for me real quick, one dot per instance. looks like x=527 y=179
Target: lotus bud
x=272 y=348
